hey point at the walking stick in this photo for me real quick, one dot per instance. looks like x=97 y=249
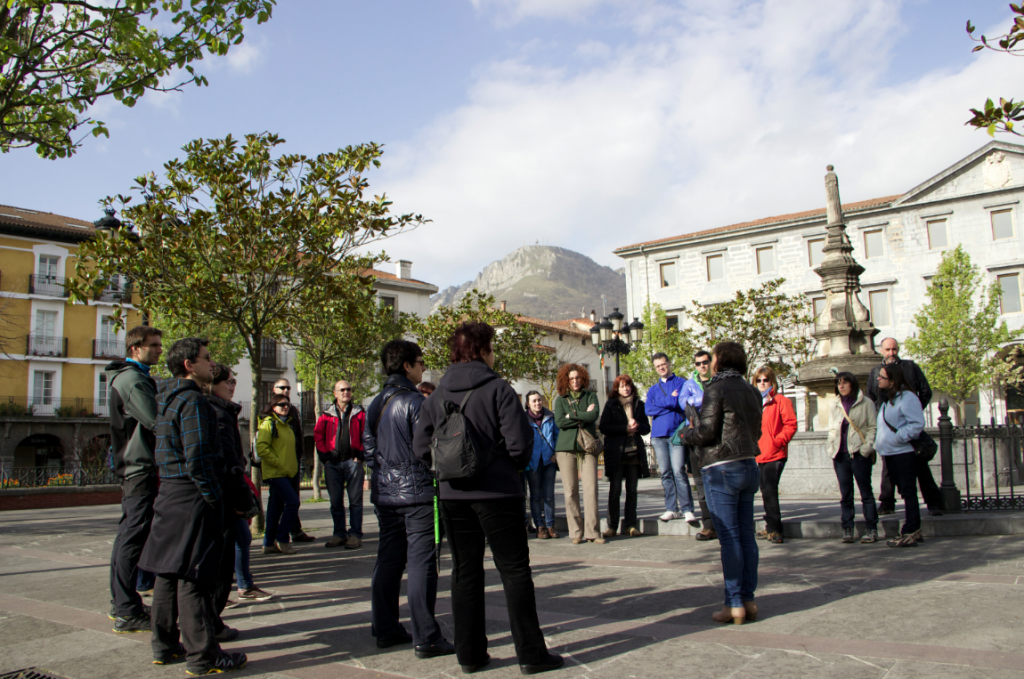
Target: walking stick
x=437 y=526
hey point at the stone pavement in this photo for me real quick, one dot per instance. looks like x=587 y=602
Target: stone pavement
x=637 y=607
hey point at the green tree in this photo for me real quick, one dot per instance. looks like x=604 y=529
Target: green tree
x=515 y=343
x=678 y=345
x=58 y=57
x=226 y=345
x=238 y=236
x=959 y=334
x=1000 y=118
x=763 y=321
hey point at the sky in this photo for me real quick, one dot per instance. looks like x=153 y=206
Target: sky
x=584 y=124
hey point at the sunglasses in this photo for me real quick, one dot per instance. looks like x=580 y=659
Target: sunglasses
x=762 y=380
x=283 y=405
x=700 y=363
x=341 y=390
x=282 y=388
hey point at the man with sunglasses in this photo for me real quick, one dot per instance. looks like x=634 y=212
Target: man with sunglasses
x=693 y=394
x=338 y=436
x=284 y=388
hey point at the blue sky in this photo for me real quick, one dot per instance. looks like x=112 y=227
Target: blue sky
x=587 y=124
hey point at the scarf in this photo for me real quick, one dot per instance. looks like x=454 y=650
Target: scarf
x=627 y=405
x=766 y=396
x=536 y=419
x=141 y=366
x=723 y=374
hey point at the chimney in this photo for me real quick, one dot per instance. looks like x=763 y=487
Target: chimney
x=404 y=269
x=503 y=306
x=593 y=316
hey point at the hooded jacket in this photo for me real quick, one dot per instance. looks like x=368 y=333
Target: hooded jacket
x=500 y=422
x=778 y=424
x=663 y=408
x=325 y=433
x=186 y=438
x=131 y=397
x=399 y=479
x=544 y=439
x=275 y=444
x=907 y=416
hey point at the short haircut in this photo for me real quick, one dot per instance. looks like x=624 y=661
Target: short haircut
x=562 y=383
x=731 y=356
x=767 y=371
x=137 y=335
x=470 y=342
x=895 y=341
x=282 y=379
x=274 y=400
x=850 y=379
x=661 y=354
x=532 y=392
x=185 y=349
x=427 y=388
x=396 y=354
x=221 y=373
x=701 y=353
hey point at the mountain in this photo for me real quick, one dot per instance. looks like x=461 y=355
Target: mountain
x=545 y=282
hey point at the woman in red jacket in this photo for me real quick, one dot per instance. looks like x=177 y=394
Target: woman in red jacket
x=778 y=424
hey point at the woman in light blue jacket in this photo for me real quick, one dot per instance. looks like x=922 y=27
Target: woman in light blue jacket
x=543 y=468
x=900 y=422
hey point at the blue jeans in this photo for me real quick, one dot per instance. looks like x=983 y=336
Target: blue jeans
x=243 y=539
x=346 y=477
x=672 y=463
x=282 y=508
x=542 y=494
x=730 y=489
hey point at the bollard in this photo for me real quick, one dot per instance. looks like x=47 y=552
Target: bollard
x=948 y=491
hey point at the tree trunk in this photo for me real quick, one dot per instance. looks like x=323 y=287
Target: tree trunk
x=255 y=406
x=318 y=468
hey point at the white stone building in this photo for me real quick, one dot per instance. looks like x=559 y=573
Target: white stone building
x=898 y=239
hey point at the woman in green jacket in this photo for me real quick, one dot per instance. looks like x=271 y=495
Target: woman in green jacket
x=575 y=409
x=275 y=446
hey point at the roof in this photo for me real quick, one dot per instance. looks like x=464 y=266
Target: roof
x=38 y=224
x=778 y=219
x=384 y=275
x=554 y=326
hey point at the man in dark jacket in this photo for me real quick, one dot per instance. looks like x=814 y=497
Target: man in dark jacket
x=132 y=402
x=185 y=545
x=918 y=384
x=338 y=437
x=402 y=490
x=284 y=388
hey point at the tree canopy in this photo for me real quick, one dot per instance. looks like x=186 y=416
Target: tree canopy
x=59 y=57
x=992 y=117
x=678 y=345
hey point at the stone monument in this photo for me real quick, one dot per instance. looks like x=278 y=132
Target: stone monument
x=845 y=333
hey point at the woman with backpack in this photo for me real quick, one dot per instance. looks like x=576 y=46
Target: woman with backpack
x=900 y=421
x=275 y=446
x=541 y=472
x=623 y=424
x=851 y=443
x=576 y=412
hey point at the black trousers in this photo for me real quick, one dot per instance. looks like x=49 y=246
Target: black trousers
x=616 y=473
x=924 y=478
x=697 y=484
x=501 y=521
x=903 y=470
x=297 y=524
x=137 y=499
x=850 y=468
x=222 y=590
x=771 y=472
x=179 y=602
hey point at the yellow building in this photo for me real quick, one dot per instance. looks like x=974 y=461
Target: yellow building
x=53 y=352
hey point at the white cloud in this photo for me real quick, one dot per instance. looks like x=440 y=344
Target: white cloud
x=710 y=115
x=242 y=58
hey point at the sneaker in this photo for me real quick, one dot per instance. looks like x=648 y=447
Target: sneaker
x=353 y=542
x=286 y=548
x=670 y=515
x=232 y=603
x=775 y=538
x=170 y=657
x=225 y=662
x=113 y=611
x=847 y=536
x=903 y=541
x=226 y=634
x=882 y=511
x=302 y=537
x=689 y=516
x=634 y=533
x=271 y=549
x=761 y=535
x=870 y=536
x=707 y=534
x=132 y=624
x=917 y=536
x=254 y=594
x=335 y=541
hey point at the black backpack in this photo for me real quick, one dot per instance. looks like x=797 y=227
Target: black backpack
x=455 y=449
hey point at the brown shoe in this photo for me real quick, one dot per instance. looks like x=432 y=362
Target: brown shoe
x=707 y=534
x=353 y=542
x=551 y=533
x=610 y=533
x=542 y=533
x=334 y=541
x=634 y=533
x=599 y=541
x=577 y=541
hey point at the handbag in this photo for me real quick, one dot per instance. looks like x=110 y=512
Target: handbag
x=924 y=445
x=871 y=456
x=589 y=443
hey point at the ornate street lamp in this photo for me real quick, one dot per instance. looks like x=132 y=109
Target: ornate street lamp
x=611 y=336
x=595 y=334
x=108 y=222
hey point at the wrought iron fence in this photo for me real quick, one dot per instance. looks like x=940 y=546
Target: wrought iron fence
x=67 y=474
x=988 y=466
x=108 y=349
x=52 y=406
x=46 y=345
x=52 y=286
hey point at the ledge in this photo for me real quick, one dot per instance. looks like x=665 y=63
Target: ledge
x=59 y=490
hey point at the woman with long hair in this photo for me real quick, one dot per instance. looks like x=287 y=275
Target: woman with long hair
x=900 y=421
x=726 y=433
x=851 y=443
x=576 y=409
x=778 y=424
x=624 y=423
x=275 y=445
x=543 y=468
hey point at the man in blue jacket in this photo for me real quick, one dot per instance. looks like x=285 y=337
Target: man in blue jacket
x=666 y=415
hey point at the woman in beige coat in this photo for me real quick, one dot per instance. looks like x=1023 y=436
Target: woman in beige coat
x=851 y=437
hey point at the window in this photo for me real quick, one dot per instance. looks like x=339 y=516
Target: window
x=818 y=305
x=48 y=267
x=668 y=274
x=937 y=234
x=716 y=268
x=878 y=301
x=107 y=332
x=765 y=260
x=873 y=245
x=672 y=322
x=1002 y=224
x=42 y=387
x=390 y=302
x=815 y=251
x=1009 y=301
x=102 y=392
x=46 y=323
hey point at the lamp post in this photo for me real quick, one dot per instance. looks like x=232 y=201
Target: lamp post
x=610 y=336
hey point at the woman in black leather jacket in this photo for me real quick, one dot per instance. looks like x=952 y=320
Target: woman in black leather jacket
x=623 y=423
x=726 y=432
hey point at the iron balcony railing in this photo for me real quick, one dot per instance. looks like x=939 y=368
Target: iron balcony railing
x=45 y=345
x=108 y=349
x=64 y=474
x=272 y=355
x=52 y=286
x=116 y=293
x=52 y=406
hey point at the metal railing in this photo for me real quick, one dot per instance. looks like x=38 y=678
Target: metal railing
x=116 y=293
x=45 y=345
x=66 y=474
x=272 y=355
x=52 y=286
x=52 y=406
x=108 y=349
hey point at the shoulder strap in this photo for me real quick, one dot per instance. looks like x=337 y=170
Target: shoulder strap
x=376 y=425
x=894 y=429
x=465 y=398
x=847 y=417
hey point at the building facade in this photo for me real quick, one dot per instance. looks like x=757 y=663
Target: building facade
x=568 y=341
x=898 y=239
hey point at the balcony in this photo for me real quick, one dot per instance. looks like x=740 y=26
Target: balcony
x=52 y=406
x=44 y=345
x=272 y=355
x=116 y=293
x=51 y=286
x=108 y=349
